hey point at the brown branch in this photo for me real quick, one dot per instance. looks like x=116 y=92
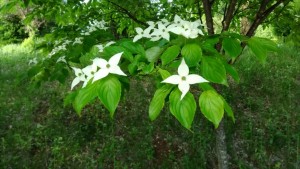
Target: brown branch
x=228 y=16
x=261 y=15
x=131 y=16
x=278 y=14
x=208 y=16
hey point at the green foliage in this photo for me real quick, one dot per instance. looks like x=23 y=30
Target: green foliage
x=192 y=54
x=213 y=70
x=11 y=29
x=109 y=93
x=78 y=36
x=212 y=106
x=158 y=101
x=85 y=96
x=170 y=54
x=183 y=110
x=232 y=47
x=153 y=53
x=260 y=47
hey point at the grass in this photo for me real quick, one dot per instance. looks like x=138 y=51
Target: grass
x=36 y=131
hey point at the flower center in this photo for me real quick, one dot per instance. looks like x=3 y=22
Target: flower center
x=183 y=78
x=108 y=66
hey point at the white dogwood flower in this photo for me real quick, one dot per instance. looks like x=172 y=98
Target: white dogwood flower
x=161 y=32
x=109 y=43
x=78 y=41
x=89 y=72
x=186 y=28
x=101 y=47
x=142 y=33
x=184 y=79
x=32 y=61
x=80 y=77
x=106 y=67
x=61 y=59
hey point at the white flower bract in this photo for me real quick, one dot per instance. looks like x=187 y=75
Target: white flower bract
x=107 y=67
x=80 y=76
x=184 y=79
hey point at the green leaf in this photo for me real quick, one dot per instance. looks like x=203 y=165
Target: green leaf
x=109 y=51
x=206 y=86
x=213 y=70
x=85 y=96
x=132 y=68
x=232 y=71
x=158 y=101
x=164 y=73
x=148 y=68
x=132 y=47
x=69 y=99
x=152 y=54
x=208 y=45
x=109 y=93
x=183 y=110
x=228 y=109
x=232 y=47
x=170 y=54
x=192 y=54
x=9 y=6
x=212 y=106
x=261 y=46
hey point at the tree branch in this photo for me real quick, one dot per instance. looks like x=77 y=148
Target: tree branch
x=208 y=16
x=278 y=14
x=228 y=16
x=261 y=15
x=128 y=14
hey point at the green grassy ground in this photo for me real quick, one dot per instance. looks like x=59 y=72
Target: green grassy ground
x=36 y=131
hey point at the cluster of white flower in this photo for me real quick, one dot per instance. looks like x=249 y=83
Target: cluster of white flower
x=61 y=59
x=178 y=26
x=78 y=40
x=94 y=25
x=99 y=69
x=33 y=61
x=61 y=47
x=101 y=46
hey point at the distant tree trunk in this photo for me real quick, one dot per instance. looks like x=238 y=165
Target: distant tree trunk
x=245 y=23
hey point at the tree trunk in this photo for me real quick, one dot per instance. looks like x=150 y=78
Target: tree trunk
x=221 y=147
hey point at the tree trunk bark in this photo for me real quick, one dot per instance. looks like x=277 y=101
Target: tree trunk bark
x=221 y=147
